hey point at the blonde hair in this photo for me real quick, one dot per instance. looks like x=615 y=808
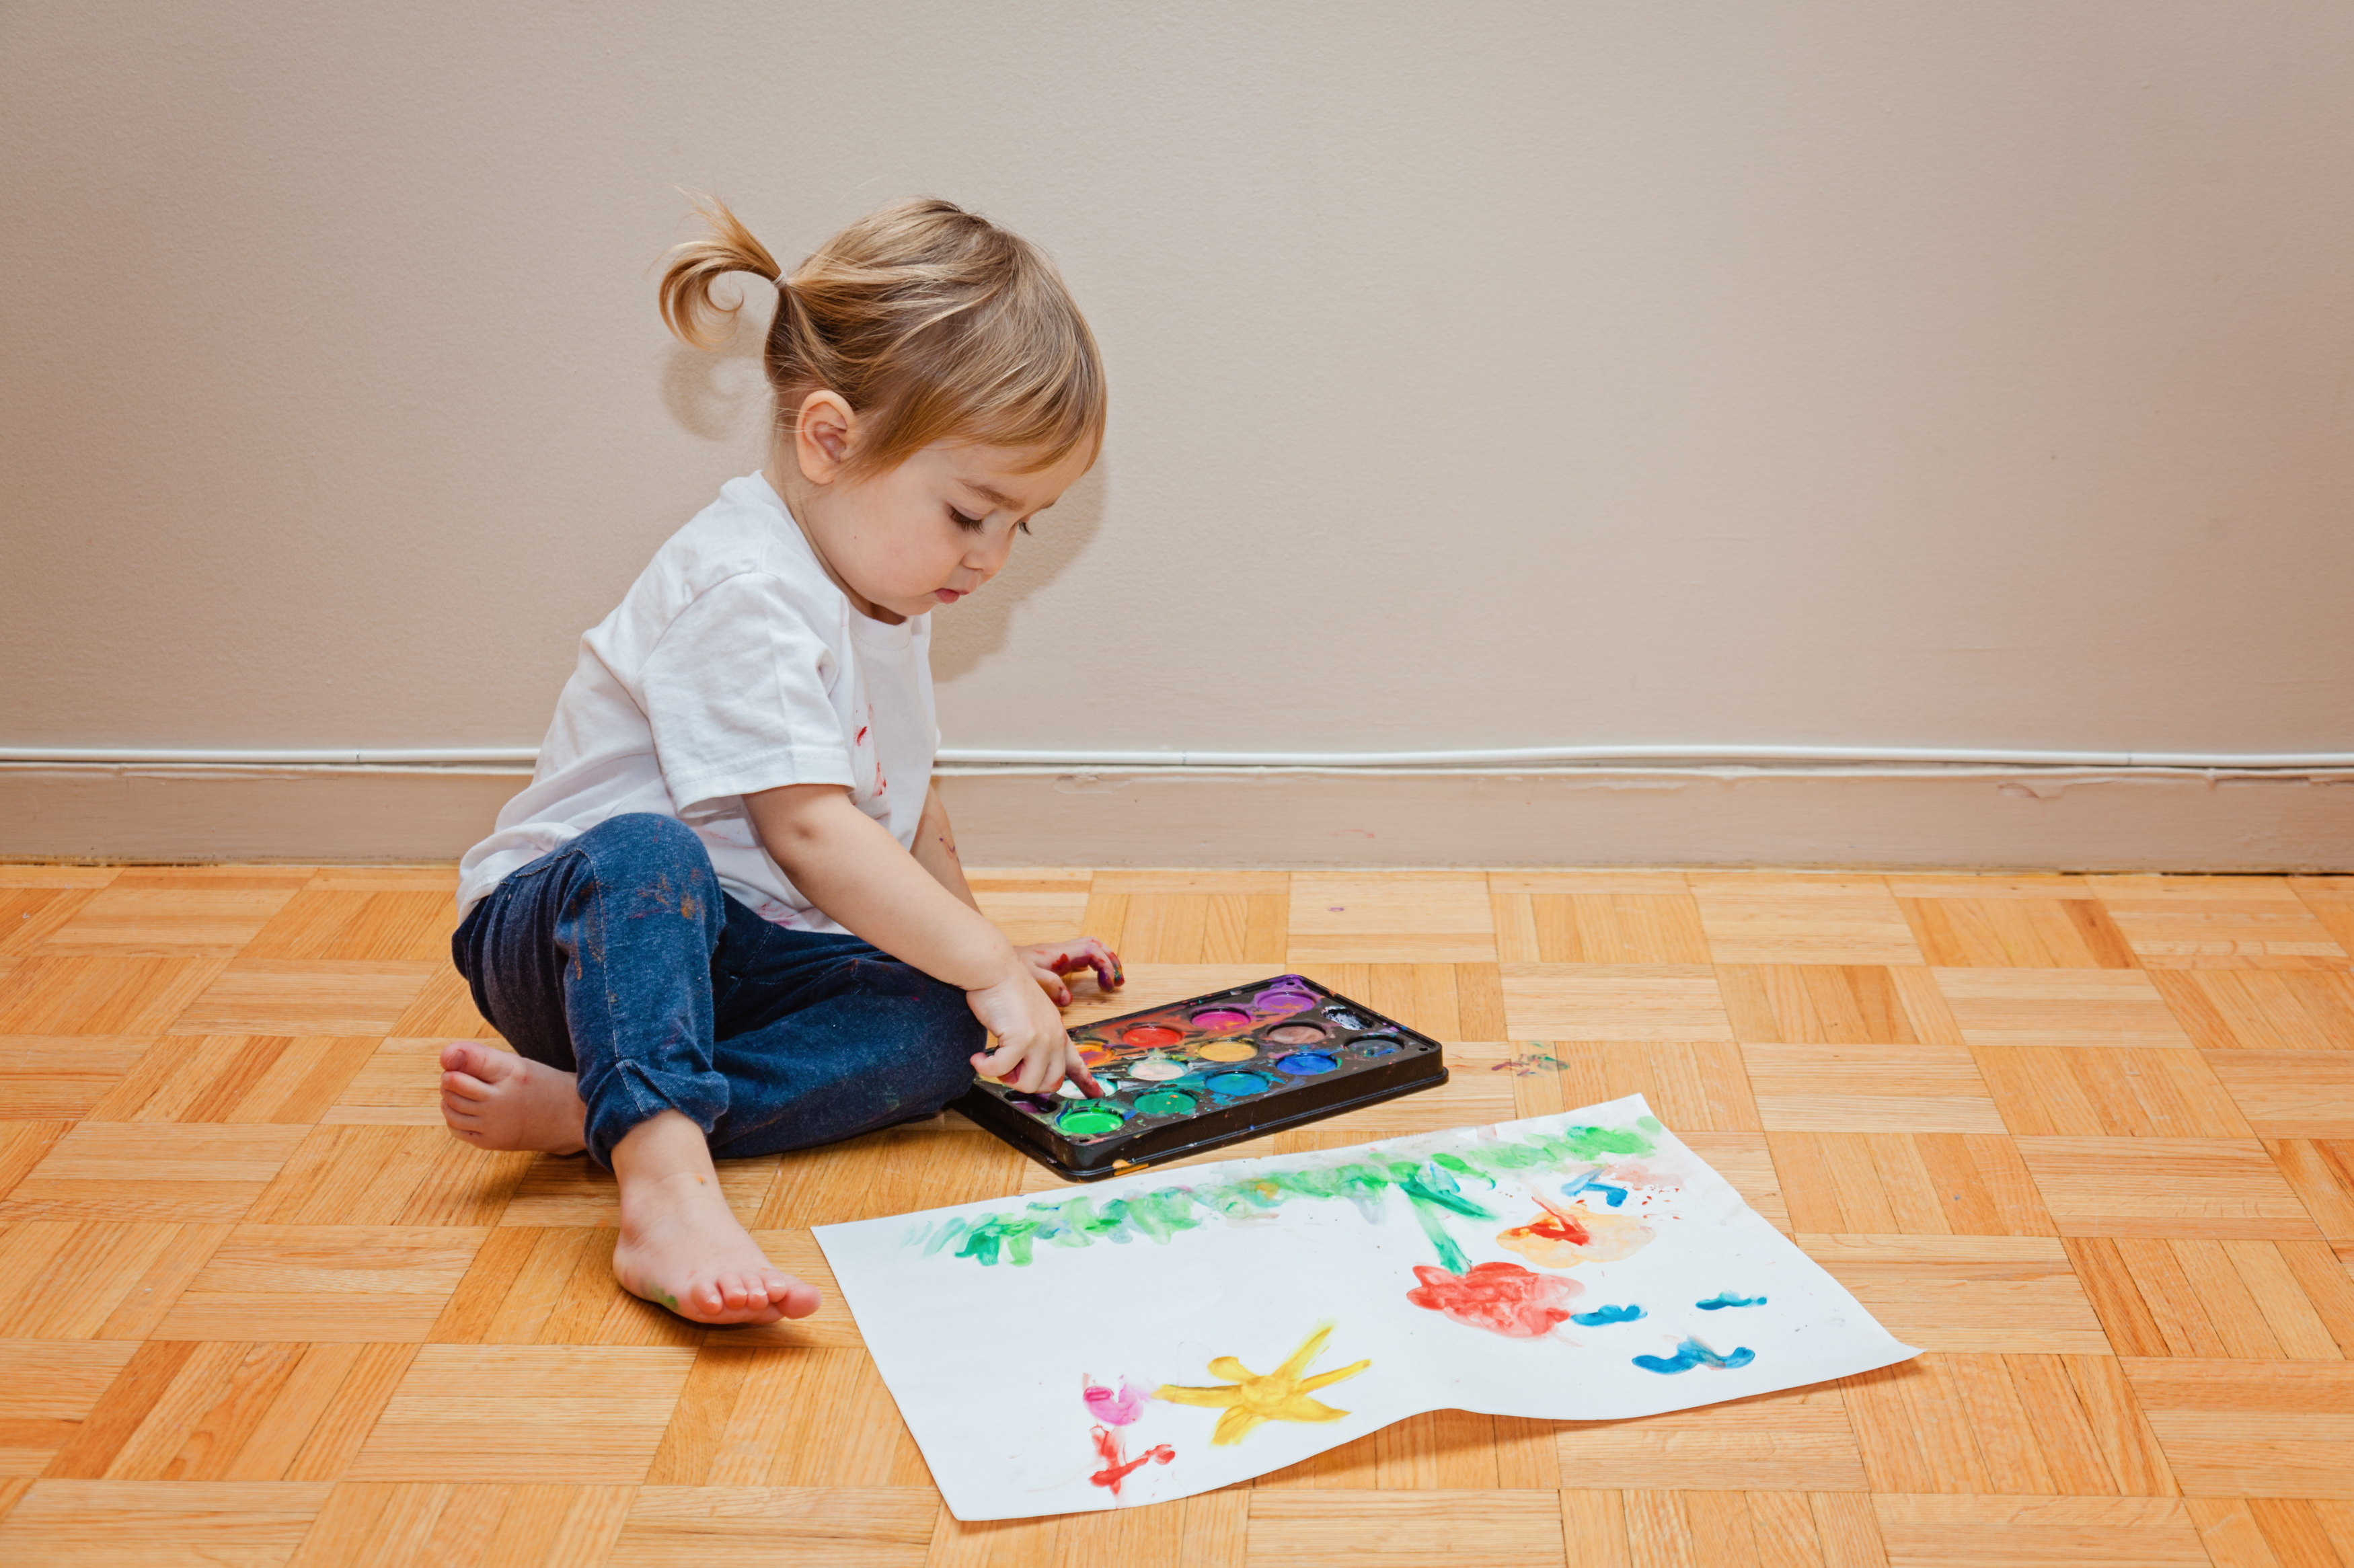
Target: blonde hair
x=930 y=322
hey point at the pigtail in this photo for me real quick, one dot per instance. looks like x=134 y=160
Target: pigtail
x=930 y=322
x=688 y=306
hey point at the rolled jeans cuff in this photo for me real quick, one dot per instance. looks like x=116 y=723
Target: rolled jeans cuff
x=626 y=1094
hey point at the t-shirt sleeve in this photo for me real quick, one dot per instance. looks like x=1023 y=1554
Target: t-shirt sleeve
x=736 y=692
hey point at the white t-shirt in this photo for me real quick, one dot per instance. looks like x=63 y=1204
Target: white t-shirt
x=733 y=664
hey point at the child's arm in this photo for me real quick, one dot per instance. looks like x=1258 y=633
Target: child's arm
x=851 y=868
x=935 y=848
x=936 y=851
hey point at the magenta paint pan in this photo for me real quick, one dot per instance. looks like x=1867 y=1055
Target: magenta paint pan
x=1254 y=1059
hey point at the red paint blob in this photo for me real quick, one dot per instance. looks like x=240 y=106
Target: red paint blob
x=1153 y=1034
x=1501 y=1297
x=1117 y=1465
x=1558 y=1226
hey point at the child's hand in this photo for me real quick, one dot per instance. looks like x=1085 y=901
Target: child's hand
x=1050 y=961
x=1034 y=1053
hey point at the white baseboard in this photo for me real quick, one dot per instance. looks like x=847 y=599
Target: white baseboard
x=2126 y=818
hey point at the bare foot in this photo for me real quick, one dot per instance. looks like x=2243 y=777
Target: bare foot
x=681 y=1247
x=496 y=1099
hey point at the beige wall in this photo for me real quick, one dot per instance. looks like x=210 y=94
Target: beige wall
x=1968 y=375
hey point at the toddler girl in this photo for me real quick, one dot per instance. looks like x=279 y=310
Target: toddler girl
x=726 y=918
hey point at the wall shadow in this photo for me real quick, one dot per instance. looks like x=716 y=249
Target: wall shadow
x=969 y=632
x=721 y=394
x=716 y=395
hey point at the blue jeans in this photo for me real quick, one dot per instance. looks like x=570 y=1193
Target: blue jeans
x=617 y=957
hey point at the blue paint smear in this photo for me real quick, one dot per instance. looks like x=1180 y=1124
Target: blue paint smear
x=1725 y=1299
x=1693 y=1353
x=1602 y=1315
x=1587 y=1183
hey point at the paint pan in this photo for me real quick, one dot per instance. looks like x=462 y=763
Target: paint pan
x=1212 y=1070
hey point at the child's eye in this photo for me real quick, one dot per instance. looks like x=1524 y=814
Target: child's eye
x=962 y=521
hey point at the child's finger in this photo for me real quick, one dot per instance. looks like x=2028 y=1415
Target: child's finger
x=1084 y=1076
x=1089 y=953
x=1042 y=1074
x=998 y=1062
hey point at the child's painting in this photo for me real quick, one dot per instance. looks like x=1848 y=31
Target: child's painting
x=1178 y=1331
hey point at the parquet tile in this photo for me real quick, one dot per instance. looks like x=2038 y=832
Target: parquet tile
x=1921 y=1183
x=160 y=1524
x=444 y=1010
x=2017 y=933
x=307 y=996
x=1390 y=917
x=1188 y=918
x=1989 y=1294
x=47 y=1388
x=1467 y=1528
x=67 y=995
x=2321 y=1173
x=2290 y=1094
x=2005 y=1423
x=236 y=1078
x=1636 y=919
x=1913 y=1088
x=1948 y=1531
x=1040 y=905
x=153 y=1171
x=2105 y=1091
x=348 y=1284
x=695 y=1526
x=132 y=922
x=78 y=1279
x=2059 y=1007
x=2253 y=1429
x=43 y=1077
x=1703 y=1528
x=2261 y=1009
x=1836 y=1004
x=1755 y=919
x=28 y=914
x=2088 y=1140
x=394 y=1523
x=1775 y=1442
x=1613 y=1001
x=1695 y=1087
x=575 y=1413
x=2224 y=1188
x=2219 y=922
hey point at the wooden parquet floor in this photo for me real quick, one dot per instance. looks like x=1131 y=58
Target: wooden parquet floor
x=2088 y=1140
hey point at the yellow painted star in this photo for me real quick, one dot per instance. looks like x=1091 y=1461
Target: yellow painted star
x=1281 y=1396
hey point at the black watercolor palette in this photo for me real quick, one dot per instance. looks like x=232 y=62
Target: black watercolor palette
x=1209 y=1071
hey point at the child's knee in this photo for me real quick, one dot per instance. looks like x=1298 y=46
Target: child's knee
x=949 y=1034
x=643 y=850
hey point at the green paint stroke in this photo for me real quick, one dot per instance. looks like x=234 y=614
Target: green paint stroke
x=1432 y=1189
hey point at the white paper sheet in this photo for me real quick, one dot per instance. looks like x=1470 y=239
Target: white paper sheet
x=1174 y=1331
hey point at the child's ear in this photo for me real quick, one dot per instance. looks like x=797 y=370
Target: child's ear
x=821 y=436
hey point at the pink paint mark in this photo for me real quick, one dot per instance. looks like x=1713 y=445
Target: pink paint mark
x=1117 y=1465
x=1635 y=1173
x=1113 y=1409
x=862 y=736
x=1501 y=1297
